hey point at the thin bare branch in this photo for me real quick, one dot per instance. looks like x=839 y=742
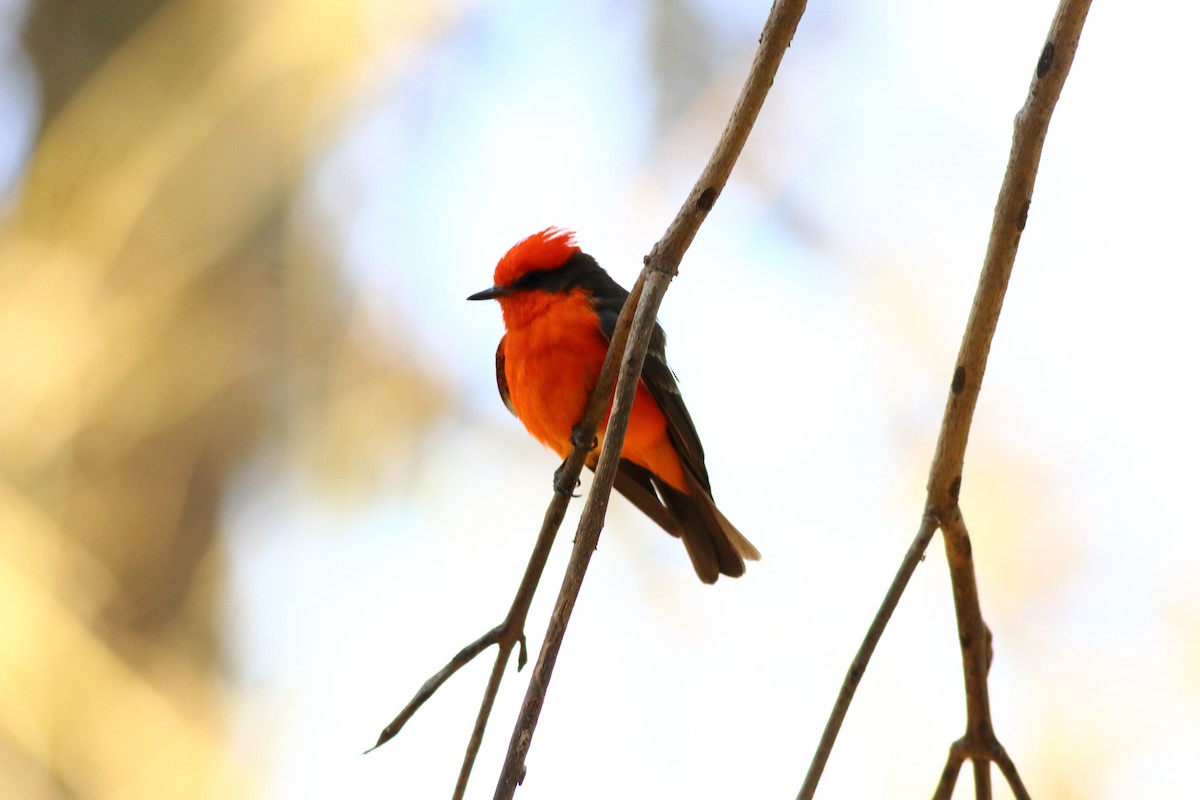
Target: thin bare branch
x=485 y=713
x=510 y=633
x=945 y=474
x=586 y=536
x=983 y=778
x=460 y=660
x=565 y=480
x=954 y=762
x=777 y=35
x=660 y=266
x=1009 y=770
x=1008 y=223
x=916 y=552
x=974 y=637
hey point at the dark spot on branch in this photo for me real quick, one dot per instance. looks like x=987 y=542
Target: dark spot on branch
x=856 y=673
x=965 y=641
x=955 y=487
x=960 y=380
x=706 y=199
x=1046 y=60
x=1023 y=217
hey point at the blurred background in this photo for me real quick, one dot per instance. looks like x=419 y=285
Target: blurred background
x=257 y=485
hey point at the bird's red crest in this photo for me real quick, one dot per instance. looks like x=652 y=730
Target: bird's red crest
x=545 y=249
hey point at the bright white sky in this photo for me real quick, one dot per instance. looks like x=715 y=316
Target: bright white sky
x=813 y=328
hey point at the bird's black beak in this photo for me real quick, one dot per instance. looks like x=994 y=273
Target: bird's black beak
x=494 y=293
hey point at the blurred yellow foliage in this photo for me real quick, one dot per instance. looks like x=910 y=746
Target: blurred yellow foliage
x=157 y=314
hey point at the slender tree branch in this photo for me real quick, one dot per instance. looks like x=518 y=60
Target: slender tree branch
x=586 y=536
x=983 y=778
x=945 y=474
x=485 y=709
x=974 y=637
x=1008 y=223
x=511 y=632
x=954 y=762
x=661 y=265
x=1009 y=770
x=777 y=35
x=916 y=552
x=460 y=660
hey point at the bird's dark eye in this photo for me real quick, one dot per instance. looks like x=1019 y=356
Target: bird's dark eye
x=531 y=280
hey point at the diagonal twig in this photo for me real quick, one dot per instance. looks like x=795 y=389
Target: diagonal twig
x=461 y=659
x=945 y=475
x=1008 y=223
x=660 y=266
x=585 y=538
x=511 y=632
x=916 y=552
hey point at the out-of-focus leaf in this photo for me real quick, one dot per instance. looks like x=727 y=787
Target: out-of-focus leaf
x=158 y=315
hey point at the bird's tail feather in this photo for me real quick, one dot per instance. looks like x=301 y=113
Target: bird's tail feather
x=714 y=545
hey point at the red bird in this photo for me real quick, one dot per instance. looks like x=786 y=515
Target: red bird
x=560 y=308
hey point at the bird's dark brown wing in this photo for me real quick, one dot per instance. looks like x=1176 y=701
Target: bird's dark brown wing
x=635 y=484
x=501 y=378
x=714 y=545
x=660 y=382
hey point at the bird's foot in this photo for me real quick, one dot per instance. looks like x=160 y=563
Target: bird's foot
x=579 y=438
x=563 y=486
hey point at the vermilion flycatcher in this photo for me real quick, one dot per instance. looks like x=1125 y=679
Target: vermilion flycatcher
x=560 y=308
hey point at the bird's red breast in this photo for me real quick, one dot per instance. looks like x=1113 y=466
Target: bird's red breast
x=553 y=351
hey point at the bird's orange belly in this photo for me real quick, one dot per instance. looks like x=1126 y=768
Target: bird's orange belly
x=550 y=377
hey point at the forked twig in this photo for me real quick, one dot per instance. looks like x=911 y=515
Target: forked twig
x=495 y=636
x=960 y=751
x=979 y=743
x=511 y=631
